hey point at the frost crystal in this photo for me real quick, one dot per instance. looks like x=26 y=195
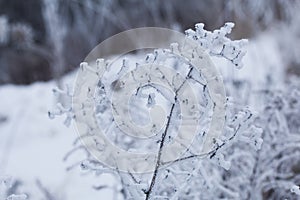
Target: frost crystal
x=218 y=44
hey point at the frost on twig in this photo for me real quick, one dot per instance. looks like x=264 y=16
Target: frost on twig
x=218 y=44
x=60 y=109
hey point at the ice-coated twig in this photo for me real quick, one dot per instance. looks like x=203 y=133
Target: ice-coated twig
x=218 y=44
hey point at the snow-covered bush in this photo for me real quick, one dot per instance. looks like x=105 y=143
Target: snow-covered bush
x=273 y=171
x=277 y=166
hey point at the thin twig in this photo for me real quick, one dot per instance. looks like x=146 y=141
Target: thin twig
x=158 y=162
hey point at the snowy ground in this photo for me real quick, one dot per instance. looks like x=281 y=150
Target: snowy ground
x=32 y=146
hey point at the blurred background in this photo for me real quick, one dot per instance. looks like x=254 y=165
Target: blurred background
x=44 y=39
x=42 y=43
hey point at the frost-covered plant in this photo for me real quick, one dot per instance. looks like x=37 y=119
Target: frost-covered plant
x=277 y=166
x=273 y=171
x=170 y=179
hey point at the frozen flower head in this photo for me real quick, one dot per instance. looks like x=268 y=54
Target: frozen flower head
x=4 y=28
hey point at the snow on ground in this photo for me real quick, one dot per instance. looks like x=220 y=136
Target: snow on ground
x=32 y=146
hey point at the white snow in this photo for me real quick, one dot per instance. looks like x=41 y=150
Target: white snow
x=32 y=146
